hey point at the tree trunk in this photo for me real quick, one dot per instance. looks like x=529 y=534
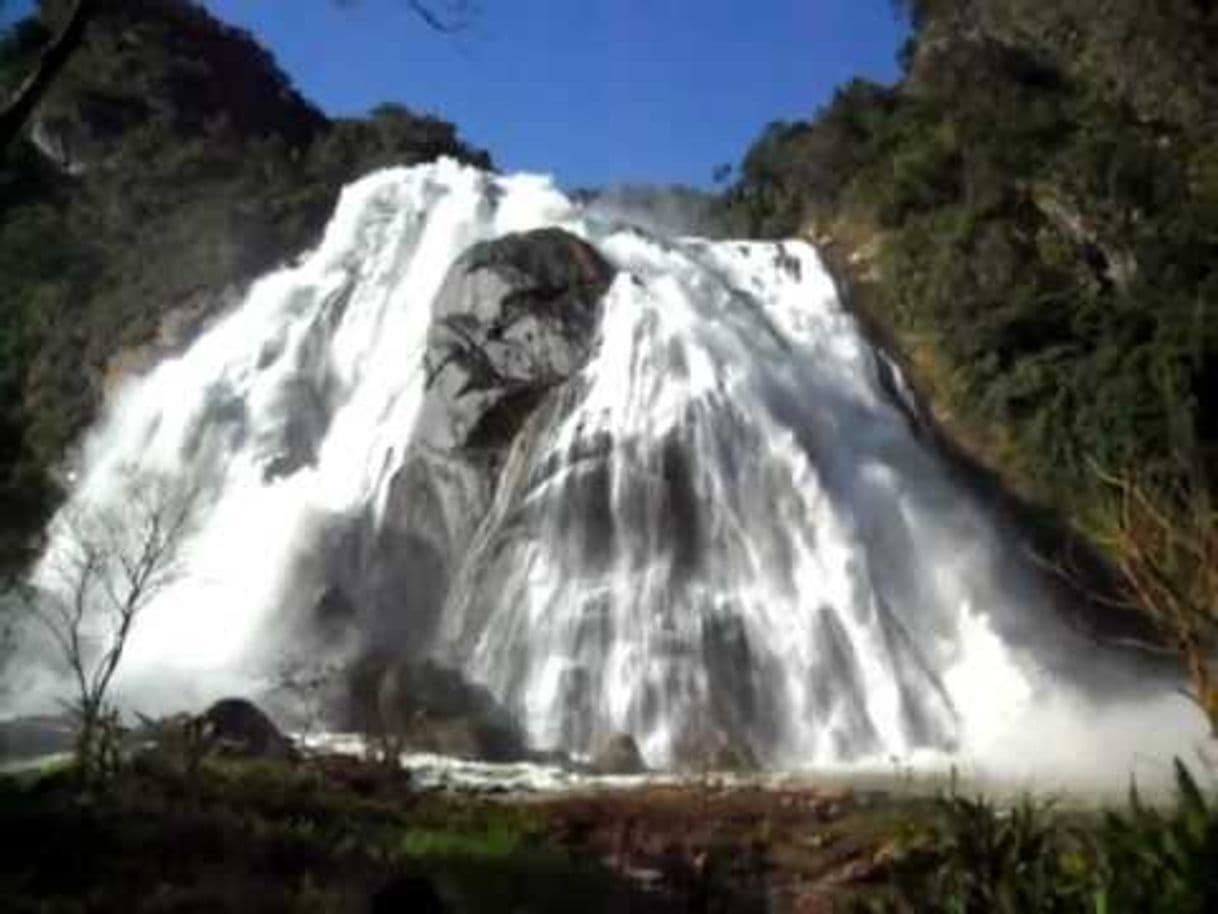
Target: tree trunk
x=50 y=64
x=86 y=744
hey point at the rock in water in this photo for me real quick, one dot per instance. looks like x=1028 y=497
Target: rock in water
x=239 y=727
x=434 y=709
x=619 y=754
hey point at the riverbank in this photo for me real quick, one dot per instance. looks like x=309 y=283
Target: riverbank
x=333 y=833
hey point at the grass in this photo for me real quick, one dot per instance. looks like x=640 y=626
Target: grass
x=971 y=855
x=496 y=842
x=260 y=836
x=330 y=835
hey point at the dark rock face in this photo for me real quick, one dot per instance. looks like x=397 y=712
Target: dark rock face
x=515 y=319
x=434 y=709
x=239 y=727
x=619 y=754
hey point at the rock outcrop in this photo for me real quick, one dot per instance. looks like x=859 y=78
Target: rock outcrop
x=516 y=318
x=236 y=726
x=426 y=707
x=618 y=754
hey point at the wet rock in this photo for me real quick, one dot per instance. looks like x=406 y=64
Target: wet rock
x=239 y=727
x=618 y=754
x=514 y=320
x=432 y=708
x=516 y=317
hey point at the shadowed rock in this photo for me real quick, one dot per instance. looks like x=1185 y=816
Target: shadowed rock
x=239 y=727
x=515 y=318
x=618 y=754
x=430 y=708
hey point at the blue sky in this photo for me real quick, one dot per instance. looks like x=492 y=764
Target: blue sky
x=594 y=91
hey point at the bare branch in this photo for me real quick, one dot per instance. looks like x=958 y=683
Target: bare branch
x=449 y=17
x=107 y=565
x=457 y=18
x=1165 y=542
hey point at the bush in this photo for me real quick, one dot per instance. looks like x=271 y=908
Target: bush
x=977 y=856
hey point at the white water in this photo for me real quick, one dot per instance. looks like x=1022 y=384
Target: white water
x=733 y=533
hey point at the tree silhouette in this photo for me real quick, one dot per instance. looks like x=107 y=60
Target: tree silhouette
x=106 y=565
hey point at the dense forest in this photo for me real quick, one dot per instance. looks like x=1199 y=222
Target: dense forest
x=171 y=161
x=1031 y=214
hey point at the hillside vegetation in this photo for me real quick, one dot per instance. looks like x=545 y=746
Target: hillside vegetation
x=1032 y=215
x=171 y=161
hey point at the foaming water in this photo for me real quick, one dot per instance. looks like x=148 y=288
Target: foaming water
x=723 y=531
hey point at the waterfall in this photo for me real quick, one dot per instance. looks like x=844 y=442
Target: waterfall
x=720 y=525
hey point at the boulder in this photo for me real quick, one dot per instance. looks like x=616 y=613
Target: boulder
x=239 y=727
x=618 y=754
x=517 y=316
x=433 y=709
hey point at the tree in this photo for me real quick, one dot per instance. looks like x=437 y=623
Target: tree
x=308 y=686
x=105 y=566
x=1166 y=547
x=7 y=638
x=448 y=16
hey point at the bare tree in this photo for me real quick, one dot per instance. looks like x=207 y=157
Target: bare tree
x=308 y=686
x=105 y=566
x=8 y=639
x=1166 y=546
x=1164 y=543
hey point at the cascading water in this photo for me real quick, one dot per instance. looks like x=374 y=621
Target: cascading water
x=718 y=527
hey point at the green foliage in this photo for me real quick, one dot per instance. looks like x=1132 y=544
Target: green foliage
x=1005 y=860
x=980 y=857
x=268 y=836
x=1150 y=860
x=499 y=840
